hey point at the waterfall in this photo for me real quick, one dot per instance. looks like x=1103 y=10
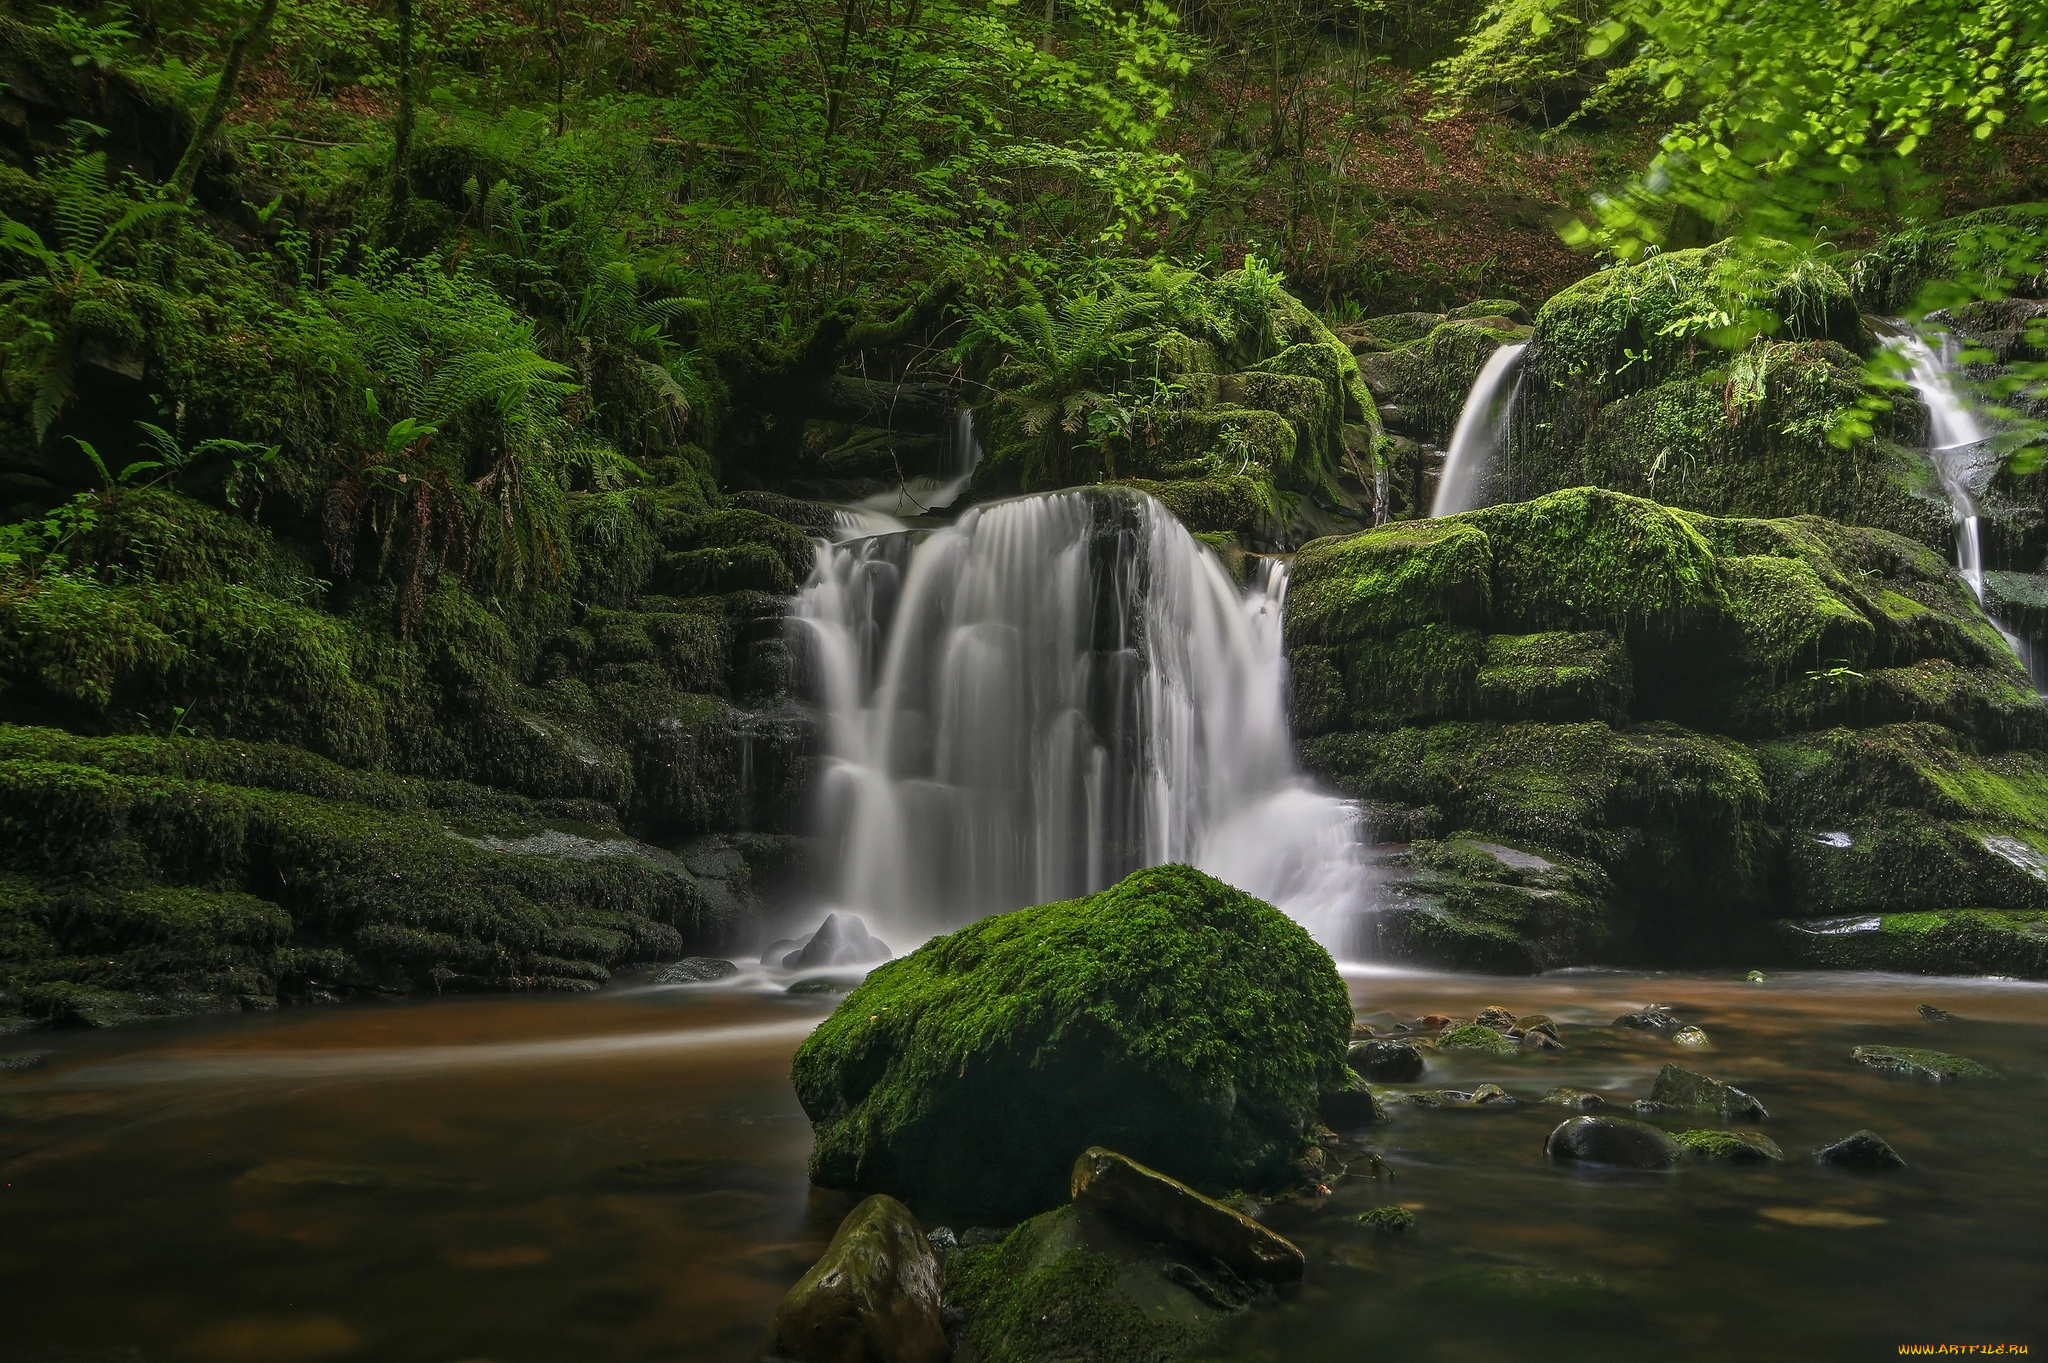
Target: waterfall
x=1954 y=435
x=925 y=493
x=1957 y=446
x=1480 y=436
x=1052 y=692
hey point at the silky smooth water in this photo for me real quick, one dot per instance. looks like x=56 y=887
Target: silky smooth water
x=1471 y=464
x=620 y=1177
x=1054 y=691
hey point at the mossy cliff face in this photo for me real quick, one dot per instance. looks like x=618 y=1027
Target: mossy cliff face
x=229 y=781
x=1610 y=728
x=1637 y=379
x=1169 y=1017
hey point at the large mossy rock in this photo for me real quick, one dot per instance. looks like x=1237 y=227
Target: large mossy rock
x=1169 y=1017
x=1607 y=727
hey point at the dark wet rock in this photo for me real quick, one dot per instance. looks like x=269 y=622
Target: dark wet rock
x=1387 y=1220
x=1539 y=1041
x=1538 y=1022
x=966 y=1077
x=1496 y=1017
x=1861 y=1150
x=1910 y=1062
x=1691 y=1036
x=1647 y=1108
x=1929 y=1013
x=1475 y=1037
x=1152 y=1204
x=1488 y=1094
x=696 y=970
x=1692 y=1092
x=1075 y=1285
x=1613 y=1140
x=1352 y=1105
x=821 y=984
x=1385 y=1062
x=1736 y=1147
x=873 y=1298
x=18 y=1061
x=1656 y=1018
x=841 y=940
x=1571 y=1097
x=781 y=947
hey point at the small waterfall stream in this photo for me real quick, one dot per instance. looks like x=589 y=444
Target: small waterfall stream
x=1957 y=446
x=1052 y=692
x=1480 y=436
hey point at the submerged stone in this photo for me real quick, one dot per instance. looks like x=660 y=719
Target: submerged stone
x=1385 y=1062
x=966 y=1077
x=873 y=1298
x=1387 y=1220
x=696 y=970
x=22 y=1060
x=821 y=984
x=1158 y=1207
x=1736 y=1147
x=1496 y=1017
x=1571 y=1097
x=1691 y=1092
x=1861 y=1150
x=1655 y=1018
x=1691 y=1036
x=1613 y=1140
x=1929 y=1013
x=1910 y=1062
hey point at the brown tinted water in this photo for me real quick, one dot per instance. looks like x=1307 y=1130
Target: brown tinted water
x=621 y=1177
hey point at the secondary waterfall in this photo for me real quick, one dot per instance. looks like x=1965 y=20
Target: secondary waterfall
x=1480 y=436
x=1055 y=691
x=926 y=493
x=1957 y=445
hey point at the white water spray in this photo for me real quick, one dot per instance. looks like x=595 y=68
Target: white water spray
x=1954 y=437
x=1481 y=435
x=1058 y=690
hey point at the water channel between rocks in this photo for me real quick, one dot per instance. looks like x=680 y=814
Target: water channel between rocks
x=621 y=1176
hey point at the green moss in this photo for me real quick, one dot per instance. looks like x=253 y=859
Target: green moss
x=1473 y=1037
x=1943 y=942
x=1389 y=579
x=1169 y=1017
x=1555 y=676
x=1417 y=675
x=1737 y=1147
x=1387 y=1220
x=1910 y=1060
x=1230 y=504
x=1041 y=1294
x=1591 y=559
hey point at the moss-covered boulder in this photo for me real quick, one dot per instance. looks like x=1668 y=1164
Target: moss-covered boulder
x=1602 y=726
x=1169 y=1017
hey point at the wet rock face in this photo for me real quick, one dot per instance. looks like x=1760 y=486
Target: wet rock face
x=1614 y=1141
x=1352 y=1105
x=1152 y=1204
x=840 y=940
x=1910 y=1062
x=1861 y=1150
x=873 y=1298
x=1385 y=1062
x=696 y=970
x=1685 y=1091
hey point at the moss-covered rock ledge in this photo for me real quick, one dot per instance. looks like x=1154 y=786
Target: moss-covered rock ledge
x=1600 y=728
x=1169 y=1017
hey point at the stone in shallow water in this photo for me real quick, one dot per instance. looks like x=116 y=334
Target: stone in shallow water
x=1861 y=1150
x=1153 y=1204
x=696 y=970
x=1929 y=1013
x=1613 y=1140
x=821 y=984
x=1691 y=1092
x=1736 y=1147
x=1910 y=1062
x=1475 y=1037
x=1571 y=1097
x=1496 y=1017
x=1351 y=1105
x=1387 y=1220
x=873 y=1296
x=1656 y=1018
x=841 y=940
x=1691 y=1036
x=22 y=1060
x=1385 y=1062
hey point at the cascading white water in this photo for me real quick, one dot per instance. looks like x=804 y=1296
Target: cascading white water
x=1055 y=691
x=1480 y=436
x=1954 y=435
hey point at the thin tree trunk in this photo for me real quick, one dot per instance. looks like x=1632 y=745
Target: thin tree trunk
x=187 y=173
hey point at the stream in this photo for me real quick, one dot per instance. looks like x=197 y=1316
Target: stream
x=620 y=1176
